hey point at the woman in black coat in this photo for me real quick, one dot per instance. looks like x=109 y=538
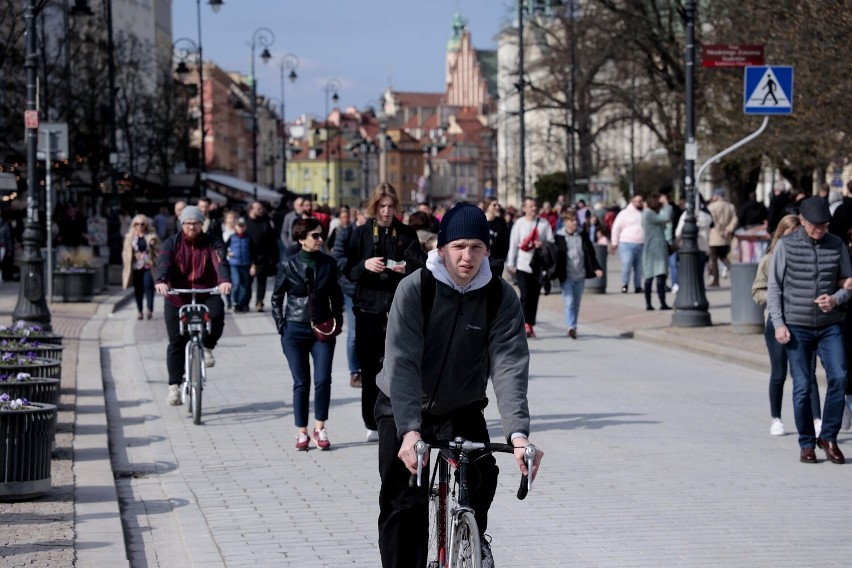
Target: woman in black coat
x=308 y=282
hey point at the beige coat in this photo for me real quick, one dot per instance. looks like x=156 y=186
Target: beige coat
x=153 y=242
x=724 y=222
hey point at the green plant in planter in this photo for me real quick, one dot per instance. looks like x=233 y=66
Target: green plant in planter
x=78 y=259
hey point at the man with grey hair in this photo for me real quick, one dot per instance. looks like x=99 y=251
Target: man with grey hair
x=808 y=278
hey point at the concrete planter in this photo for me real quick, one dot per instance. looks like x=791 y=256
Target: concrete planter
x=26 y=438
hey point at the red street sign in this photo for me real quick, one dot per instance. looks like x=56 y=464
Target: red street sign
x=31 y=119
x=731 y=55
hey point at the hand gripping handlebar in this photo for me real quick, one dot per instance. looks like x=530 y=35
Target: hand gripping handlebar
x=421 y=448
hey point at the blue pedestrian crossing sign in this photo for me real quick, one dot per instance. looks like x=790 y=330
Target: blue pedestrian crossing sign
x=768 y=90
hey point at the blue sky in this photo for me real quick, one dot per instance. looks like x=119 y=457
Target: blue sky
x=364 y=44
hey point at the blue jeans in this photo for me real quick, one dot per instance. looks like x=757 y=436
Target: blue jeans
x=351 y=353
x=240 y=282
x=673 y=268
x=631 y=257
x=778 y=374
x=299 y=343
x=572 y=293
x=827 y=342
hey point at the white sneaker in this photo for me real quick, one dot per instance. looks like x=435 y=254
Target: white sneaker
x=372 y=436
x=846 y=423
x=777 y=428
x=817 y=427
x=724 y=272
x=174 y=395
x=675 y=288
x=209 y=360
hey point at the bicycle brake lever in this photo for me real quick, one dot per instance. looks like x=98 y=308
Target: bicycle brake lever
x=421 y=448
x=529 y=455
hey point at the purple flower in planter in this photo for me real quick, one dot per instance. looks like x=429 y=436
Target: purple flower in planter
x=4 y=397
x=7 y=357
x=21 y=377
x=31 y=356
x=4 y=378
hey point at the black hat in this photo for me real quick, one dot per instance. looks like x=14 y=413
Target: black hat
x=815 y=210
x=464 y=221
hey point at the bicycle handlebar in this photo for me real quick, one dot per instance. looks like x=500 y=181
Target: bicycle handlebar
x=467 y=446
x=175 y=291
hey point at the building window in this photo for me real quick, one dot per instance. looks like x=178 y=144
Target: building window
x=349 y=175
x=306 y=174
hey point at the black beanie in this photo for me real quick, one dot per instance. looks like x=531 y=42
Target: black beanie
x=464 y=221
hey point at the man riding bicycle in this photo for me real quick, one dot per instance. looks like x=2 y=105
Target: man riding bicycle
x=435 y=373
x=191 y=259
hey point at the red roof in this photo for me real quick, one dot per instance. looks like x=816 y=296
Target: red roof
x=419 y=99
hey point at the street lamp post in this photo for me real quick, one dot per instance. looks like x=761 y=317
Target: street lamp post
x=32 y=304
x=182 y=71
x=262 y=37
x=521 y=86
x=690 y=307
x=215 y=5
x=333 y=86
x=288 y=62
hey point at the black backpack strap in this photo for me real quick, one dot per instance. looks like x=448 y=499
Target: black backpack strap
x=428 y=289
x=494 y=298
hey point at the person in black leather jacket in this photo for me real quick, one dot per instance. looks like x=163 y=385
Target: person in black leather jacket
x=382 y=252
x=309 y=282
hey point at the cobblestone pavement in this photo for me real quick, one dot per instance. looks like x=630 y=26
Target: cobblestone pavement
x=656 y=455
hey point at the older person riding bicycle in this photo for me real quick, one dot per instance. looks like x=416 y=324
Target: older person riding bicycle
x=191 y=259
x=474 y=331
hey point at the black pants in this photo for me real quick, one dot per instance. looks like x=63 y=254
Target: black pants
x=530 y=289
x=261 y=272
x=404 y=510
x=370 y=329
x=661 y=289
x=175 y=354
x=143 y=287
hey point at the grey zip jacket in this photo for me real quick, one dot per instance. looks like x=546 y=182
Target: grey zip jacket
x=455 y=346
x=801 y=270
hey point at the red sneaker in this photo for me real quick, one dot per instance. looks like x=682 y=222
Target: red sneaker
x=321 y=439
x=302 y=441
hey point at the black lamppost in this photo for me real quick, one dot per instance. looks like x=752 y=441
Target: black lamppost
x=182 y=71
x=216 y=5
x=81 y=8
x=332 y=87
x=288 y=62
x=262 y=37
x=32 y=304
x=521 y=86
x=690 y=306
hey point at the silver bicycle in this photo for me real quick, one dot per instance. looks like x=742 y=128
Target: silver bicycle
x=194 y=320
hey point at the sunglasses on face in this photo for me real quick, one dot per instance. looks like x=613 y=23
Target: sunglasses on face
x=315 y=236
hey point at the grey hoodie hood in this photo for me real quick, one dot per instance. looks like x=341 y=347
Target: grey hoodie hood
x=435 y=264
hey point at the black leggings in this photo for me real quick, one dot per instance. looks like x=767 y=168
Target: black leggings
x=661 y=289
x=530 y=289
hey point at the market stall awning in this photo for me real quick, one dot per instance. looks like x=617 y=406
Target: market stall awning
x=236 y=189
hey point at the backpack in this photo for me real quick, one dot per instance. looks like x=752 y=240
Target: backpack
x=429 y=287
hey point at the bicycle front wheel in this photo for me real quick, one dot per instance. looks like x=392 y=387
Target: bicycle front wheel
x=195 y=382
x=464 y=542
